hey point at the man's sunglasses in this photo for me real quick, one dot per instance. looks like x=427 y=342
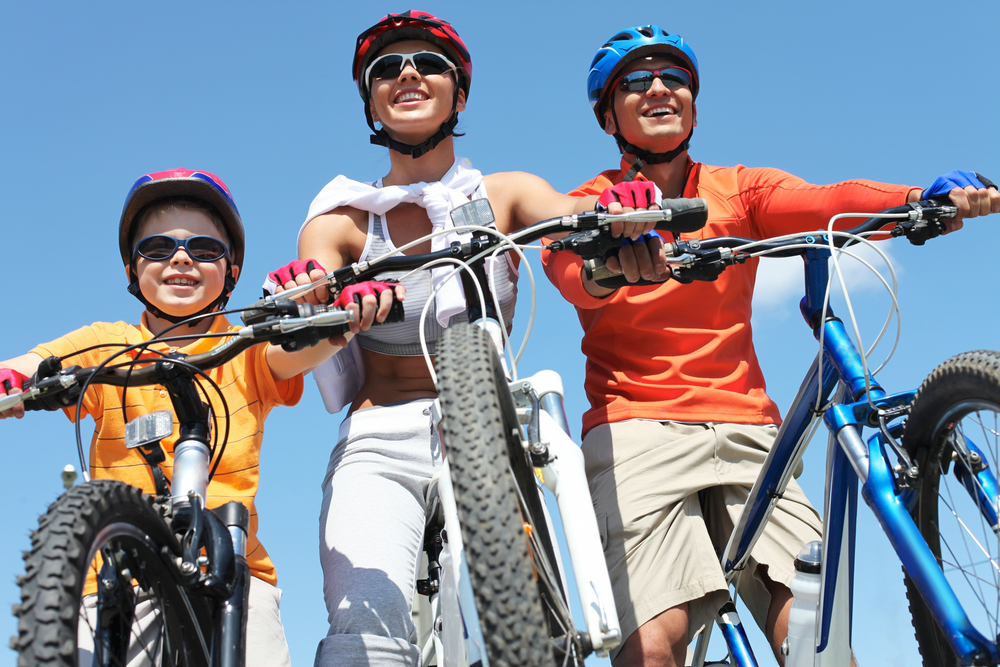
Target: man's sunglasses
x=641 y=80
x=389 y=65
x=199 y=248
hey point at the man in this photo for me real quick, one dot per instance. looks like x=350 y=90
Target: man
x=680 y=421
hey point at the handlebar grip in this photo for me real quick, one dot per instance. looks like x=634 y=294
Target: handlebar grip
x=599 y=273
x=687 y=215
x=396 y=312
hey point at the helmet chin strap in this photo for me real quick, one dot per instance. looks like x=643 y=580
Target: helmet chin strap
x=644 y=156
x=218 y=304
x=382 y=138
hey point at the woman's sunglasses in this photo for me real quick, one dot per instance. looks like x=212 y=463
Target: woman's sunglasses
x=641 y=80
x=199 y=248
x=389 y=65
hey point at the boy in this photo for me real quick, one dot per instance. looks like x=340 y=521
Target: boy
x=182 y=242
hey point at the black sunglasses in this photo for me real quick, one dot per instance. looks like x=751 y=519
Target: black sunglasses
x=641 y=80
x=161 y=247
x=390 y=65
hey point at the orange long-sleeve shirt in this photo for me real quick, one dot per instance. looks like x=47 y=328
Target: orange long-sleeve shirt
x=685 y=352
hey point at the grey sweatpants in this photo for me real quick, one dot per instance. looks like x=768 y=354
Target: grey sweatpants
x=371 y=533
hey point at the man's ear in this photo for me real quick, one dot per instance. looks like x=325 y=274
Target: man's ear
x=609 y=121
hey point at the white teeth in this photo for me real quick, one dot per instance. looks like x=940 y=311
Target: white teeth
x=406 y=97
x=662 y=111
x=181 y=281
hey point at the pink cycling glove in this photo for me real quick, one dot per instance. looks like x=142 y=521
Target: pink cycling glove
x=9 y=378
x=354 y=293
x=633 y=194
x=288 y=272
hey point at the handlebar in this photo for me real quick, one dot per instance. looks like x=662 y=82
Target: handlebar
x=706 y=259
x=281 y=321
x=590 y=236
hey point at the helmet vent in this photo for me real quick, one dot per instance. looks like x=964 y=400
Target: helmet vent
x=619 y=37
x=646 y=31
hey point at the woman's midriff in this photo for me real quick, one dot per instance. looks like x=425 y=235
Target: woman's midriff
x=390 y=379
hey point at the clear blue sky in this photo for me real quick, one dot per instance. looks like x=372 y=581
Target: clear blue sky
x=95 y=94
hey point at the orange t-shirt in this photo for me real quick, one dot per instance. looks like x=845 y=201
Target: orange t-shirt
x=250 y=391
x=685 y=352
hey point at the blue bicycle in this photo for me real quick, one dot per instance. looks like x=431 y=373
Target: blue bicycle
x=927 y=470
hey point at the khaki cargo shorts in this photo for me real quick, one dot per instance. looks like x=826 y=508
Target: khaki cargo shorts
x=663 y=539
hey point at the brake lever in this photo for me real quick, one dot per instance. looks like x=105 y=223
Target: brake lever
x=925 y=221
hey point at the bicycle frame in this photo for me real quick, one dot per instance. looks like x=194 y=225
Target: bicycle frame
x=849 y=459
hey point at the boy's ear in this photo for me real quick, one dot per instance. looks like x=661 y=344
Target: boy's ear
x=231 y=279
x=460 y=102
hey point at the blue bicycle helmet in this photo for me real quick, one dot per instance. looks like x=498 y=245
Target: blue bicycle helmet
x=623 y=48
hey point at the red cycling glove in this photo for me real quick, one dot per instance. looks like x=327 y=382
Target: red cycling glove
x=9 y=378
x=354 y=293
x=633 y=194
x=288 y=272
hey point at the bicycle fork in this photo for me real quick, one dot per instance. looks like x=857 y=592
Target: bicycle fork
x=222 y=532
x=563 y=473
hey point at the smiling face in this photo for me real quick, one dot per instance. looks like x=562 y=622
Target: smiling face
x=658 y=119
x=179 y=285
x=412 y=106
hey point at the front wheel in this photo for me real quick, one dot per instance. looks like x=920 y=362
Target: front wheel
x=99 y=587
x=952 y=434
x=476 y=435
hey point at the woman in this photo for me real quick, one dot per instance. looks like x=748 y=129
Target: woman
x=413 y=72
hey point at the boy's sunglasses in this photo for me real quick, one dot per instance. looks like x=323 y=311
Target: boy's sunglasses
x=389 y=65
x=641 y=80
x=199 y=248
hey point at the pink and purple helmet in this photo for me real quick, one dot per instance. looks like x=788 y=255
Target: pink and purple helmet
x=201 y=186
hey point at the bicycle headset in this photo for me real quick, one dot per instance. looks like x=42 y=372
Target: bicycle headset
x=200 y=186
x=406 y=26
x=611 y=58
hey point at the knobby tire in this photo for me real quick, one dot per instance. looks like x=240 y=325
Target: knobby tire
x=477 y=429
x=120 y=523
x=958 y=402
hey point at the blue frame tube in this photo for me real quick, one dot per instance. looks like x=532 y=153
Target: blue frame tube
x=779 y=459
x=880 y=494
x=736 y=637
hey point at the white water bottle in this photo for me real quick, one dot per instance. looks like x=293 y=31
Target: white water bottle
x=805 y=607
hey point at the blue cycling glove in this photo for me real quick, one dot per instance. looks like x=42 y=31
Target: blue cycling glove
x=957 y=179
x=642 y=239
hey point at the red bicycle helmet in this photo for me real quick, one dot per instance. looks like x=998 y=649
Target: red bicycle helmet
x=412 y=24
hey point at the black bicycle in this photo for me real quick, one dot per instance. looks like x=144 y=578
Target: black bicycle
x=172 y=578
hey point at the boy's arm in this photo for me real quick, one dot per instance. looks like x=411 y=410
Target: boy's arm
x=26 y=365
x=285 y=365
